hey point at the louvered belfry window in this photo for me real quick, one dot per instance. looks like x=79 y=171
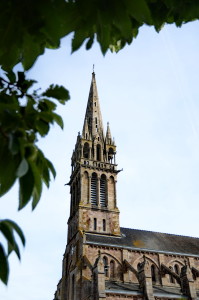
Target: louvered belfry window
x=103 y=190
x=94 y=189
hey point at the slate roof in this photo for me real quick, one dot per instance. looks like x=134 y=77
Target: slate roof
x=134 y=289
x=137 y=239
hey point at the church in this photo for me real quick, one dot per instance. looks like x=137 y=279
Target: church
x=103 y=260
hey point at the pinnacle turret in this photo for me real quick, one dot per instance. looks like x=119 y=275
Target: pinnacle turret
x=108 y=135
x=85 y=131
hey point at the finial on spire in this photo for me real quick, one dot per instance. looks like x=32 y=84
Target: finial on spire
x=93 y=68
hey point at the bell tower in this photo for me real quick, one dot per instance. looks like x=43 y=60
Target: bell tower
x=93 y=180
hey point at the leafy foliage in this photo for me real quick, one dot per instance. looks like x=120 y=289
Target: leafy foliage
x=27 y=28
x=24 y=116
x=7 y=228
x=113 y=23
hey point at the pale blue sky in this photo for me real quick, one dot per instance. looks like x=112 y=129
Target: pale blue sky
x=149 y=93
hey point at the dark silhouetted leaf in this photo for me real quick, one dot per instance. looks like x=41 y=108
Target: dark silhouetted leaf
x=4 y=269
x=57 y=92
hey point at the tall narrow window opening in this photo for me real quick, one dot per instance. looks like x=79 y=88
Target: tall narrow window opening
x=112 y=269
x=153 y=275
x=171 y=276
x=105 y=260
x=95 y=224
x=176 y=269
x=98 y=152
x=103 y=190
x=104 y=225
x=94 y=189
x=73 y=287
x=86 y=150
x=110 y=155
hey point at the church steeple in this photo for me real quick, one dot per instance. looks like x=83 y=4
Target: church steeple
x=93 y=114
x=94 y=175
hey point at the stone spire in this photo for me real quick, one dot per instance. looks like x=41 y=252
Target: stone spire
x=93 y=115
x=108 y=135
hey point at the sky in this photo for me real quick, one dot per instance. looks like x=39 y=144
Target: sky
x=149 y=94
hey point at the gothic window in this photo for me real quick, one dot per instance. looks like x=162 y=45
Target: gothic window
x=86 y=150
x=104 y=225
x=153 y=275
x=103 y=190
x=94 y=189
x=105 y=260
x=176 y=269
x=95 y=224
x=171 y=279
x=112 y=269
x=98 y=152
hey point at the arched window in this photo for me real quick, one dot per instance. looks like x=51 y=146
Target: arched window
x=105 y=260
x=112 y=269
x=98 y=152
x=153 y=275
x=86 y=150
x=171 y=276
x=176 y=269
x=103 y=190
x=94 y=189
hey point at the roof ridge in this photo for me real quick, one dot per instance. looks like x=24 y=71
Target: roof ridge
x=160 y=232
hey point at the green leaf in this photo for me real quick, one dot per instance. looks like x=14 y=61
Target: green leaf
x=4 y=269
x=42 y=127
x=58 y=119
x=32 y=48
x=8 y=168
x=37 y=184
x=51 y=167
x=23 y=168
x=26 y=186
x=17 y=229
x=7 y=231
x=57 y=92
x=11 y=76
x=139 y=10
x=90 y=43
